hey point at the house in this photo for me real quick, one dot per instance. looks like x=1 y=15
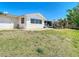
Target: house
x=27 y=21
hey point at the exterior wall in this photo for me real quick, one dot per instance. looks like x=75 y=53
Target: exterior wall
x=15 y=21
x=29 y=25
x=7 y=22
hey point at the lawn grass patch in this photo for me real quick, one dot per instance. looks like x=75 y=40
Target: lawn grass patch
x=62 y=42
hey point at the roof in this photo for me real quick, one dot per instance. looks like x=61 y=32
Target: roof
x=10 y=15
x=38 y=14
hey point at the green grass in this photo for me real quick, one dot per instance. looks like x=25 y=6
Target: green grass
x=56 y=42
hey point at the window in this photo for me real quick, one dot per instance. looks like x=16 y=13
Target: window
x=36 y=21
x=22 y=20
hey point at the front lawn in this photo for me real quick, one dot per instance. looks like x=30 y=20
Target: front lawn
x=56 y=42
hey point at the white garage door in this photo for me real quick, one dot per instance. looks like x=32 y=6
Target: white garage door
x=6 y=23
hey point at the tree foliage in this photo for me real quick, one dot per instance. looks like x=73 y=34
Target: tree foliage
x=1 y=13
x=73 y=15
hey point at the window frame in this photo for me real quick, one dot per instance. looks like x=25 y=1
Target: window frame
x=36 y=21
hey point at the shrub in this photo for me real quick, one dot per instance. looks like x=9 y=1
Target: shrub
x=40 y=50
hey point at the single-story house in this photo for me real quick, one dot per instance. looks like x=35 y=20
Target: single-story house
x=27 y=21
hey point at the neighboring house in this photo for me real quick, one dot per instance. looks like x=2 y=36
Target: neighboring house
x=28 y=21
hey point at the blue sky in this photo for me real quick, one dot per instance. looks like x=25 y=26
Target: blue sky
x=51 y=10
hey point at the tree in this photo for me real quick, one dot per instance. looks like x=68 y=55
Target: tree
x=73 y=16
x=1 y=13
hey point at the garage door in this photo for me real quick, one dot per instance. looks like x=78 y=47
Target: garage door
x=6 y=23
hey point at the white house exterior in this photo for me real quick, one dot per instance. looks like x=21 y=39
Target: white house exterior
x=7 y=21
x=28 y=21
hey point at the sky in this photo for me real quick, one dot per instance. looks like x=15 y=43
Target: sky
x=50 y=10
